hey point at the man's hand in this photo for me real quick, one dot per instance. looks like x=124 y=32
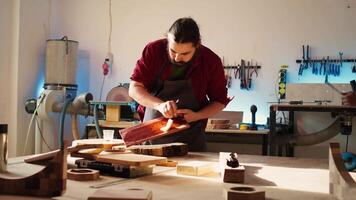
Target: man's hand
x=349 y=99
x=168 y=109
x=189 y=115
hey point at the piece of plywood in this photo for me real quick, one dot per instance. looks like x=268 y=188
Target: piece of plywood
x=130 y=159
x=234 y=117
x=150 y=130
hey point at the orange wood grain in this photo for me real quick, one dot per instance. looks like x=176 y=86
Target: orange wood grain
x=150 y=130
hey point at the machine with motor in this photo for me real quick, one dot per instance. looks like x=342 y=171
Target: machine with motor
x=59 y=96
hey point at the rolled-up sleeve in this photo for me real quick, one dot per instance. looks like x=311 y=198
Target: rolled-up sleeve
x=216 y=90
x=144 y=70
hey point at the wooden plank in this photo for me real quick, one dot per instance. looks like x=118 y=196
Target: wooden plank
x=150 y=130
x=130 y=159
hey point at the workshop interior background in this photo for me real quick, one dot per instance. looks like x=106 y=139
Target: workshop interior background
x=270 y=33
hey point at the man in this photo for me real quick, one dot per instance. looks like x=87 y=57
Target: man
x=179 y=77
x=349 y=99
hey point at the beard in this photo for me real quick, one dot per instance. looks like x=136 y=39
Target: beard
x=181 y=63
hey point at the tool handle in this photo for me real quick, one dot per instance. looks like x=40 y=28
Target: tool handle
x=353 y=85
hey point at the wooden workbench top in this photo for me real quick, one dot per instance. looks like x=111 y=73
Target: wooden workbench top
x=280 y=177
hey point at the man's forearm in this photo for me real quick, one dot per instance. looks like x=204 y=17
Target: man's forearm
x=210 y=110
x=139 y=93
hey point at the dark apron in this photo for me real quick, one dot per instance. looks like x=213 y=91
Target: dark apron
x=182 y=90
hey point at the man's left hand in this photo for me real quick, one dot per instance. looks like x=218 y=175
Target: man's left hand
x=189 y=115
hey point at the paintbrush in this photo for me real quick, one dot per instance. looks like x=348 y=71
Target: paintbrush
x=169 y=122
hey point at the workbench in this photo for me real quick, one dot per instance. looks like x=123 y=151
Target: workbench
x=275 y=149
x=228 y=133
x=281 y=178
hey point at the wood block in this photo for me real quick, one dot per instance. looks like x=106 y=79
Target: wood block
x=169 y=163
x=244 y=193
x=150 y=130
x=50 y=181
x=113 y=113
x=130 y=159
x=195 y=168
x=234 y=175
x=121 y=194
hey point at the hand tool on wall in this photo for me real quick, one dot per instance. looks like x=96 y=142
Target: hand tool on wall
x=242 y=74
x=340 y=58
x=247 y=83
x=252 y=72
x=353 y=85
x=308 y=56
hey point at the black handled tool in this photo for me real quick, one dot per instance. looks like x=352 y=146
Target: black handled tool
x=353 y=85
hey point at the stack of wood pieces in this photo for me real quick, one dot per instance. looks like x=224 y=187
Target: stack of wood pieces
x=166 y=150
x=218 y=123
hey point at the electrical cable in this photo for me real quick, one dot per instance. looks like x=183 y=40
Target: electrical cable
x=43 y=139
x=101 y=88
x=31 y=121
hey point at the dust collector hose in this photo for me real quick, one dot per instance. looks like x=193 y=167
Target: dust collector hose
x=75 y=131
x=304 y=139
x=61 y=122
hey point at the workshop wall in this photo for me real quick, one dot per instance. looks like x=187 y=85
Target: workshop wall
x=269 y=32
